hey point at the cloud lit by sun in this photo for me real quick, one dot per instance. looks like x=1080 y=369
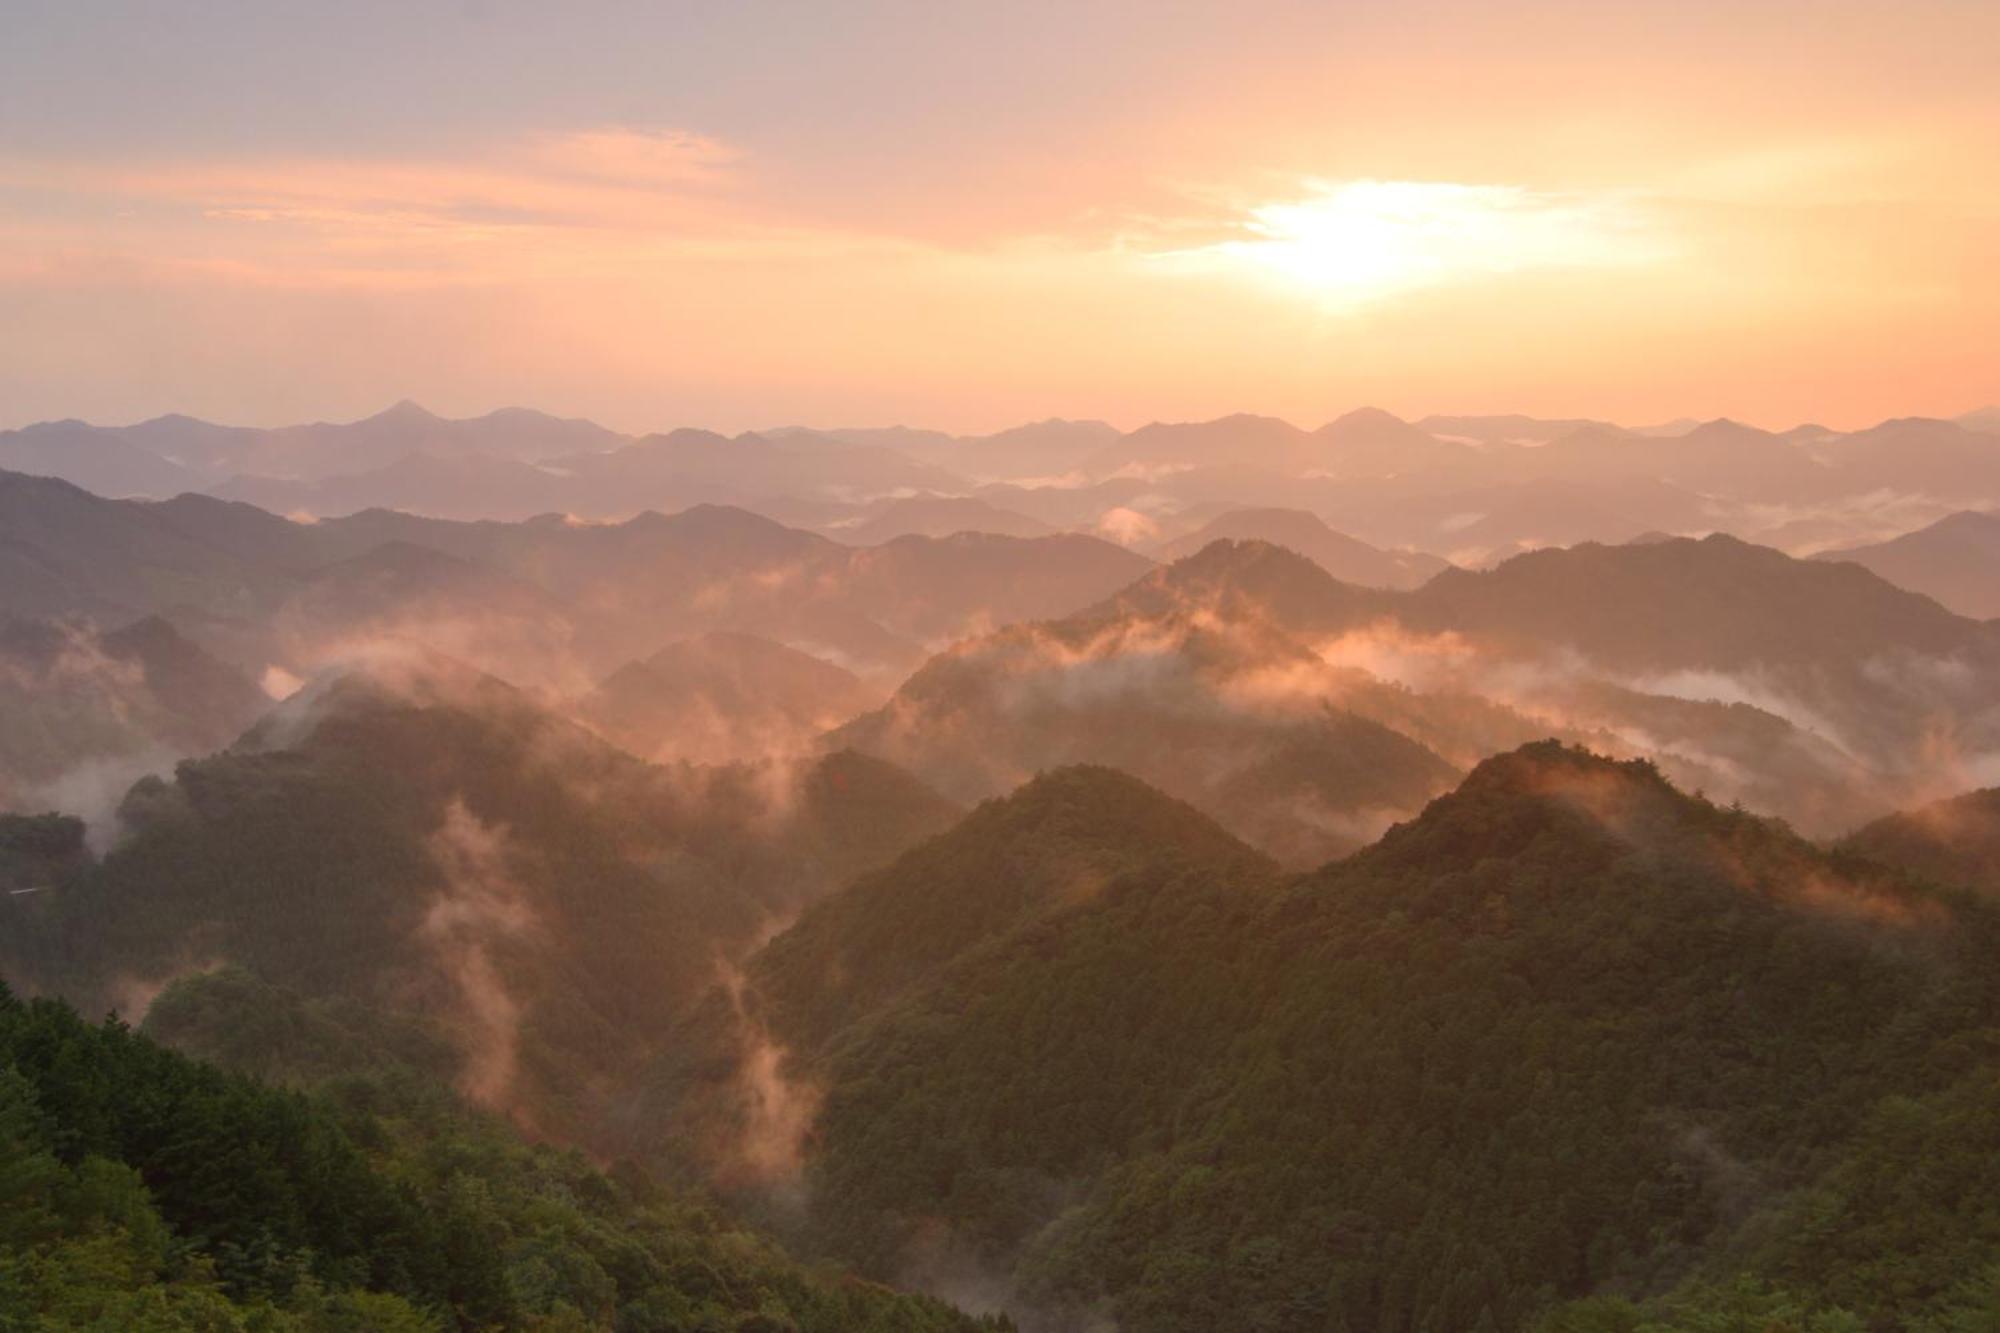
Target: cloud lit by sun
x=1354 y=242
x=1280 y=208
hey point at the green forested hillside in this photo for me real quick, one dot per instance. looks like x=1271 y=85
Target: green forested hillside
x=1054 y=843
x=746 y=1066
x=1569 y=1036
x=140 y=1190
x=1956 y=841
x=441 y=845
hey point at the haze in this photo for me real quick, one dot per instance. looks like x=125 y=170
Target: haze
x=968 y=215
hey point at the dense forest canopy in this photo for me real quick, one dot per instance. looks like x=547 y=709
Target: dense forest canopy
x=143 y=1190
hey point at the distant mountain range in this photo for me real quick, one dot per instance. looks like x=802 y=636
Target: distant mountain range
x=548 y=602
x=1469 y=489
x=1306 y=699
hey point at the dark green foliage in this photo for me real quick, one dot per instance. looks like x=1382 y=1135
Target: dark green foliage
x=38 y=850
x=265 y=1184
x=444 y=845
x=139 y=1189
x=1053 y=846
x=1055 y=842
x=1569 y=1032
x=1948 y=842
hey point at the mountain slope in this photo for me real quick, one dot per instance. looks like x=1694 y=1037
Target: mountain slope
x=1955 y=841
x=65 y=551
x=1686 y=603
x=1053 y=843
x=83 y=711
x=734 y=1095
x=171 y=454
x=937 y=516
x=1903 y=688
x=718 y=698
x=548 y=601
x=422 y=837
x=1955 y=560
x=98 y=461
x=1369 y=442
x=1237 y=719
x=1341 y=556
x=146 y=1190
x=1568 y=1031
x=1165 y=446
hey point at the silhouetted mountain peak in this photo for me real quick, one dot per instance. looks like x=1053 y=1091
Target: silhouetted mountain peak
x=404 y=410
x=1366 y=419
x=1968 y=522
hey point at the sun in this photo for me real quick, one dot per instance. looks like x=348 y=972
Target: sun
x=1359 y=241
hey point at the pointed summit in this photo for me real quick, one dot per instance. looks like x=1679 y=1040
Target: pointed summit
x=404 y=409
x=1054 y=843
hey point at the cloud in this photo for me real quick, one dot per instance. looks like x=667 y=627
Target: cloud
x=775 y=1110
x=636 y=157
x=480 y=908
x=551 y=203
x=279 y=683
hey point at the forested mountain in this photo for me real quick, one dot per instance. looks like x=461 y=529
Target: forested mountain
x=735 y=1094
x=1665 y=606
x=1150 y=667
x=422 y=836
x=144 y=1190
x=1295 y=707
x=84 y=712
x=721 y=698
x=1053 y=843
x=1569 y=1036
x=1952 y=842
x=67 y=551
x=1955 y=560
x=547 y=602
x=1337 y=939
x=1237 y=718
x=1905 y=692
x=1815 y=691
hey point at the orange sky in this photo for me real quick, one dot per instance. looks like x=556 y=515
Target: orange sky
x=961 y=217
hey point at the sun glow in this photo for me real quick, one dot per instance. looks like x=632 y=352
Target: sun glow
x=1359 y=241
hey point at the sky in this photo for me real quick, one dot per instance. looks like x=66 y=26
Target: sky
x=960 y=215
